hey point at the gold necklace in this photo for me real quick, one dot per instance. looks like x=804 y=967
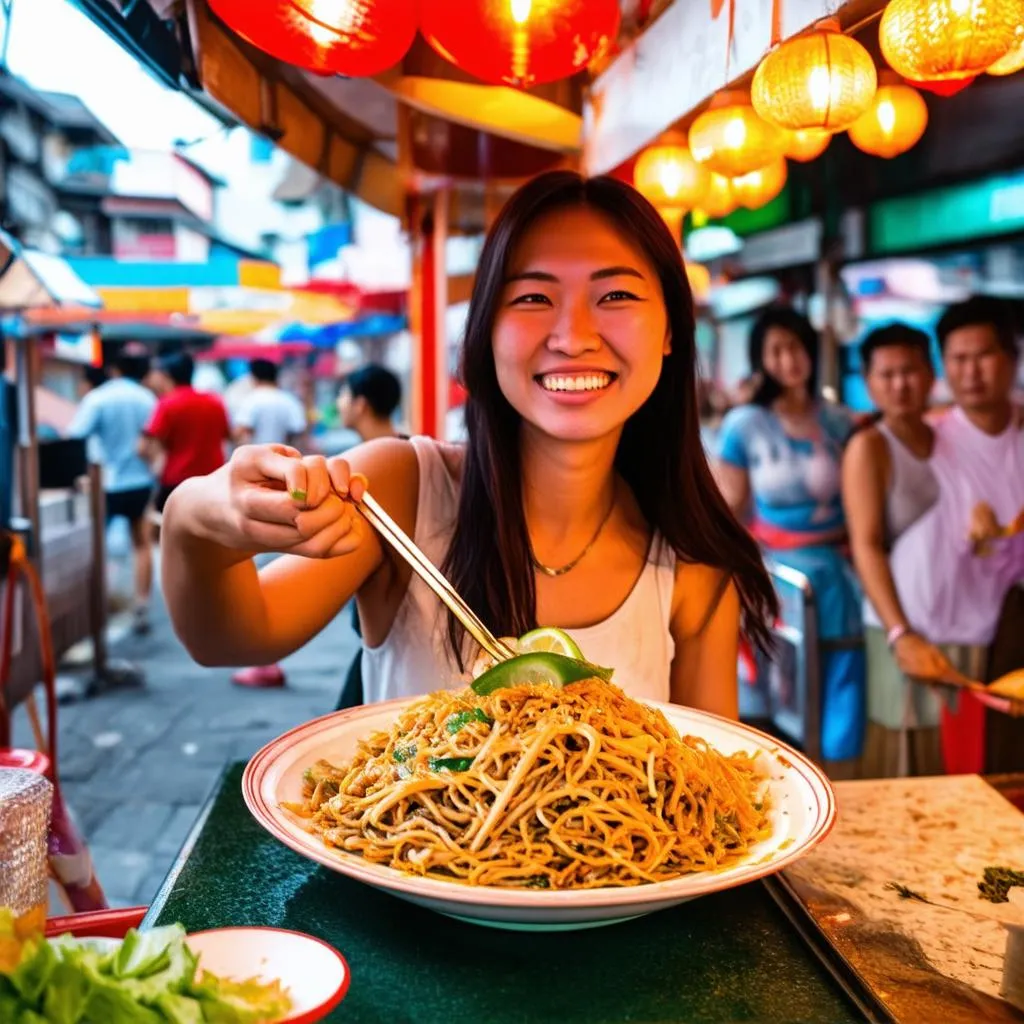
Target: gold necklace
x=569 y=566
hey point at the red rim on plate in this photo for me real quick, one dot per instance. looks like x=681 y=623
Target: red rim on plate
x=317 y=1012
x=820 y=812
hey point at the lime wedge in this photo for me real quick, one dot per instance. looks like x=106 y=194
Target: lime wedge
x=539 y=667
x=551 y=640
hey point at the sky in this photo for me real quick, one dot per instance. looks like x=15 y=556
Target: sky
x=54 y=46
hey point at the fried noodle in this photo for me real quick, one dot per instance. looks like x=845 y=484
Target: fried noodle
x=541 y=787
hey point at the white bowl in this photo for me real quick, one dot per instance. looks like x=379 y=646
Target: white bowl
x=802 y=811
x=315 y=974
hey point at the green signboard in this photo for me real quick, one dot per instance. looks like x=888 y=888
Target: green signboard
x=944 y=216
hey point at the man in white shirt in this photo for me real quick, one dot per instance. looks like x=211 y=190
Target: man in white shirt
x=268 y=414
x=113 y=416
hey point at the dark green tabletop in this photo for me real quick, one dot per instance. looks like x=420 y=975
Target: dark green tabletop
x=728 y=957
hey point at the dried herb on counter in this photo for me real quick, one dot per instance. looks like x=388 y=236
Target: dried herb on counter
x=997 y=883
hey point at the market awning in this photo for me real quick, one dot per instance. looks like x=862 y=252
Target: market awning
x=30 y=279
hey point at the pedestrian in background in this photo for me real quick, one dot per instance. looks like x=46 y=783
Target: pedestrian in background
x=188 y=430
x=367 y=402
x=113 y=416
x=268 y=414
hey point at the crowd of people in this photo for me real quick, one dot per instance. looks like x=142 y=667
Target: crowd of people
x=908 y=527
x=151 y=430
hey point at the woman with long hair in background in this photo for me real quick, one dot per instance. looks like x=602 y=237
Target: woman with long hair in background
x=779 y=468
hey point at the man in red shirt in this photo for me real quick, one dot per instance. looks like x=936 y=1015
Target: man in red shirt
x=189 y=428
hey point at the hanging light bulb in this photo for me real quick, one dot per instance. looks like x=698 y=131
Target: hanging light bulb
x=761 y=186
x=355 y=38
x=729 y=137
x=926 y=40
x=821 y=79
x=667 y=174
x=894 y=123
x=520 y=42
x=806 y=144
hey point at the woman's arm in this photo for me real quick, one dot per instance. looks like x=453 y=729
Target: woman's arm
x=734 y=483
x=866 y=469
x=227 y=613
x=706 y=629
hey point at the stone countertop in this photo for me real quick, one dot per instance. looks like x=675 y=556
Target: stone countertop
x=932 y=950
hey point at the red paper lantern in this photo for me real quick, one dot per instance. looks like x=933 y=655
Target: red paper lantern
x=520 y=42
x=355 y=38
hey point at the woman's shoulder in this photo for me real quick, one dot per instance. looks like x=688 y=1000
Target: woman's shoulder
x=699 y=590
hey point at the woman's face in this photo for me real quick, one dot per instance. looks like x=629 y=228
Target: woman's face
x=581 y=328
x=785 y=359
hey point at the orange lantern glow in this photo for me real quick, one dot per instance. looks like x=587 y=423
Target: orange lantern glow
x=673 y=217
x=667 y=174
x=894 y=123
x=807 y=143
x=1013 y=61
x=355 y=38
x=520 y=42
x=926 y=40
x=822 y=79
x=761 y=186
x=718 y=200
x=729 y=138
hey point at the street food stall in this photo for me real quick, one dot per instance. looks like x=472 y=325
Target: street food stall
x=889 y=900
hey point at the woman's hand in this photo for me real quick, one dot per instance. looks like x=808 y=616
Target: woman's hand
x=270 y=498
x=916 y=657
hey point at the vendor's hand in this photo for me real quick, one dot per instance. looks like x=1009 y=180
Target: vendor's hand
x=270 y=498
x=916 y=657
x=983 y=528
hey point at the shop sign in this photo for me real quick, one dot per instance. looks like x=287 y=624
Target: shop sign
x=994 y=206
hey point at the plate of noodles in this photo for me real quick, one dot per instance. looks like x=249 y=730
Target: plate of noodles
x=537 y=806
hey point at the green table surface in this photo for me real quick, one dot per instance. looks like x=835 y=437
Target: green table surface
x=732 y=956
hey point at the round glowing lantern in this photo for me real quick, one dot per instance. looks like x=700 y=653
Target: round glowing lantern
x=667 y=174
x=806 y=144
x=354 y=38
x=520 y=42
x=760 y=186
x=822 y=79
x=925 y=40
x=895 y=121
x=1013 y=61
x=718 y=199
x=730 y=138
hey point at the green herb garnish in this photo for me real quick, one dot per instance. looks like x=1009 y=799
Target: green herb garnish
x=403 y=754
x=997 y=883
x=462 y=718
x=451 y=764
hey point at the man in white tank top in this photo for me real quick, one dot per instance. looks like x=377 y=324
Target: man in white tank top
x=887 y=487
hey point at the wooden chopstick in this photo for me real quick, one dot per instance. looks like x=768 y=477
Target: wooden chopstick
x=432 y=576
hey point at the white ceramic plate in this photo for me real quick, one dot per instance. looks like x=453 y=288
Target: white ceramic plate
x=802 y=813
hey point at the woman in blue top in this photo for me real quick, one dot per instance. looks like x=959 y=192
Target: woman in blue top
x=779 y=469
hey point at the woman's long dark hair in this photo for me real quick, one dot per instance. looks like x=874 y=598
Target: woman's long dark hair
x=787 y=319
x=660 y=453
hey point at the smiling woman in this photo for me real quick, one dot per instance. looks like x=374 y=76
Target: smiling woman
x=582 y=498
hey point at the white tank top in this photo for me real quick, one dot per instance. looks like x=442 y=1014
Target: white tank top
x=913 y=490
x=634 y=640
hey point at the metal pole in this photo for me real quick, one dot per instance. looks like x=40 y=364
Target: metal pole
x=98 y=582
x=26 y=371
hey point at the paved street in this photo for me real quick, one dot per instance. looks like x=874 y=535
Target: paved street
x=136 y=765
